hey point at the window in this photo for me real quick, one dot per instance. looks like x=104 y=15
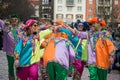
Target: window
x=90 y=1
x=69 y=8
x=107 y=2
x=116 y=2
x=44 y=15
x=115 y=17
x=59 y=1
x=79 y=1
x=45 y=1
x=59 y=8
x=90 y=9
x=46 y=9
x=69 y=2
x=69 y=16
x=90 y=16
x=100 y=2
x=79 y=8
x=116 y=10
x=79 y=16
x=37 y=10
x=59 y=16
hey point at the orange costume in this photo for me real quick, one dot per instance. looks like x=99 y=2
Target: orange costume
x=50 y=47
x=103 y=53
x=104 y=50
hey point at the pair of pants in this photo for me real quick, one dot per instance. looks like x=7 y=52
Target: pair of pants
x=102 y=74
x=93 y=72
x=10 y=60
x=56 y=72
x=28 y=73
x=97 y=73
x=79 y=67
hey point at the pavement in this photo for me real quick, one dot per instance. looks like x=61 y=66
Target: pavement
x=114 y=75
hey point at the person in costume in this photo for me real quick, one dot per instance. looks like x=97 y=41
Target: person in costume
x=28 y=53
x=76 y=24
x=79 y=40
x=10 y=39
x=91 y=52
x=104 y=49
x=58 y=55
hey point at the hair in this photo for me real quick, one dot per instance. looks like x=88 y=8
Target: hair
x=27 y=30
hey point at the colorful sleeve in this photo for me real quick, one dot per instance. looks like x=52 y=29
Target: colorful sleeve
x=110 y=46
x=18 y=49
x=44 y=44
x=2 y=24
x=44 y=33
x=82 y=35
x=71 y=54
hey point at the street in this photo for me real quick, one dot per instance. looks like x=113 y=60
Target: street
x=114 y=75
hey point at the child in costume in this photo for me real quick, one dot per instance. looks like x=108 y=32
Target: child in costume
x=28 y=52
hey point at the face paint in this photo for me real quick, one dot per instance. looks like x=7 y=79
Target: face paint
x=97 y=27
x=14 y=21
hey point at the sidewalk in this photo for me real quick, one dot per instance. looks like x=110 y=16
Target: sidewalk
x=114 y=75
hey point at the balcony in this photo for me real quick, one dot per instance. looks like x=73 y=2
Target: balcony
x=106 y=3
x=69 y=2
x=46 y=2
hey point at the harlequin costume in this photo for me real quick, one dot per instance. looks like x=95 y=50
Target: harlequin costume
x=104 y=48
x=91 y=53
x=58 y=56
x=28 y=53
x=80 y=45
x=9 y=42
x=81 y=57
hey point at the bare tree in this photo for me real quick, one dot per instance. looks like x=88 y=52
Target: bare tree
x=114 y=14
x=21 y=7
x=108 y=11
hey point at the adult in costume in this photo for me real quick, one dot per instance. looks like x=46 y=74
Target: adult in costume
x=28 y=52
x=10 y=39
x=104 y=49
x=91 y=52
x=79 y=40
x=58 y=55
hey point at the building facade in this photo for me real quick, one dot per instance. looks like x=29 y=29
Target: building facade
x=69 y=10
x=90 y=9
x=46 y=9
x=108 y=10
x=103 y=9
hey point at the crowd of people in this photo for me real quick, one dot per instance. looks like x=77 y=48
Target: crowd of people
x=59 y=50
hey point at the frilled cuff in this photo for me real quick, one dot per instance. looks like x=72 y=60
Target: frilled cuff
x=112 y=53
x=17 y=55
